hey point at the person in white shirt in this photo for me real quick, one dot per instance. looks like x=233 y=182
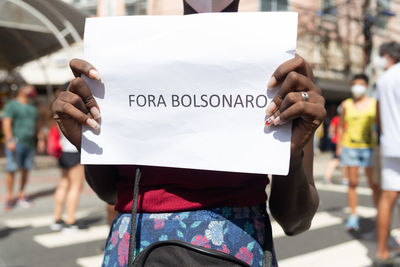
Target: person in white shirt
x=388 y=118
x=69 y=187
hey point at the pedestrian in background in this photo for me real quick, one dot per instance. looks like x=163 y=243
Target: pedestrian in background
x=388 y=107
x=356 y=140
x=69 y=187
x=335 y=161
x=20 y=131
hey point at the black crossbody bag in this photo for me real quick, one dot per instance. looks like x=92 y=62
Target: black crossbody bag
x=180 y=253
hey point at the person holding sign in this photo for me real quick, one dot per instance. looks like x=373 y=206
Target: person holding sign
x=224 y=211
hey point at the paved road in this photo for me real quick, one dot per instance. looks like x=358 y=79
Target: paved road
x=327 y=243
x=25 y=237
x=26 y=240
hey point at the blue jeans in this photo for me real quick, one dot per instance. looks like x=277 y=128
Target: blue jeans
x=22 y=157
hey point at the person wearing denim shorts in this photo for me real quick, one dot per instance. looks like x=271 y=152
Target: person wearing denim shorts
x=356 y=142
x=19 y=126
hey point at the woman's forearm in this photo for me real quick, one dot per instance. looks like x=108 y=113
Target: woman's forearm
x=103 y=180
x=294 y=198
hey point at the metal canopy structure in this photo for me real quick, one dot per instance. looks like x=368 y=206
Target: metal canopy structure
x=30 y=29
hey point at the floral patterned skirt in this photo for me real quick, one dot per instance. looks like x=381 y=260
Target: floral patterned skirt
x=238 y=231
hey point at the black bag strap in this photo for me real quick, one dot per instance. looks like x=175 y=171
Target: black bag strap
x=133 y=217
x=267 y=257
x=268 y=241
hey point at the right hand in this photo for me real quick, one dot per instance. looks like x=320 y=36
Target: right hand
x=76 y=106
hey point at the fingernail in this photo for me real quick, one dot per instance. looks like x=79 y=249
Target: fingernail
x=269 y=121
x=270 y=108
x=94 y=74
x=277 y=120
x=272 y=82
x=95 y=113
x=92 y=123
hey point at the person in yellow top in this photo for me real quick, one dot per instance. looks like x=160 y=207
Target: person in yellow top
x=356 y=140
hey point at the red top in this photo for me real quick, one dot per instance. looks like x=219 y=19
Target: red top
x=172 y=189
x=335 y=124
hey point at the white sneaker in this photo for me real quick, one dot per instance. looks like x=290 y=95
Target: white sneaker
x=70 y=228
x=57 y=225
x=24 y=203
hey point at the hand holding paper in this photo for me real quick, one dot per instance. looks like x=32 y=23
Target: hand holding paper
x=191 y=94
x=188 y=91
x=71 y=107
x=298 y=99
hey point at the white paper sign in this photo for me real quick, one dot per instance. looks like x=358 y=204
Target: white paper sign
x=189 y=91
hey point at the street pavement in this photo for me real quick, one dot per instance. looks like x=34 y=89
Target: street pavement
x=26 y=239
x=25 y=236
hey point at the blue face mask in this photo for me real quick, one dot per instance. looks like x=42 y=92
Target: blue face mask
x=203 y=6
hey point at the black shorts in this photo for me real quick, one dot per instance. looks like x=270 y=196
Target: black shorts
x=333 y=149
x=69 y=159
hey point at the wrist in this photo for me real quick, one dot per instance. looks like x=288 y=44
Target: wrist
x=296 y=160
x=10 y=140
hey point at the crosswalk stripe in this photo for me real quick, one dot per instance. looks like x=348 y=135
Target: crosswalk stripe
x=90 y=261
x=46 y=220
x=342 y=188
x=325 y=219
x=321 y=219
x=60 y=239
x=352 y=253
x=363 y=211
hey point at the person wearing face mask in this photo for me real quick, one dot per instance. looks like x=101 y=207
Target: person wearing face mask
x=20 y=132
x=223 y=211
x=388 y=117
x=356 y=140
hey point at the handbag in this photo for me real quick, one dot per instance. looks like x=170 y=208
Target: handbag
x=180 y=253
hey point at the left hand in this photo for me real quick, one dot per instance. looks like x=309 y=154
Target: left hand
x=307 y=113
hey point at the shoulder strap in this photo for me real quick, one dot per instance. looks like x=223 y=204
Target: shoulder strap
x=268 y=242
x=133 y=217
